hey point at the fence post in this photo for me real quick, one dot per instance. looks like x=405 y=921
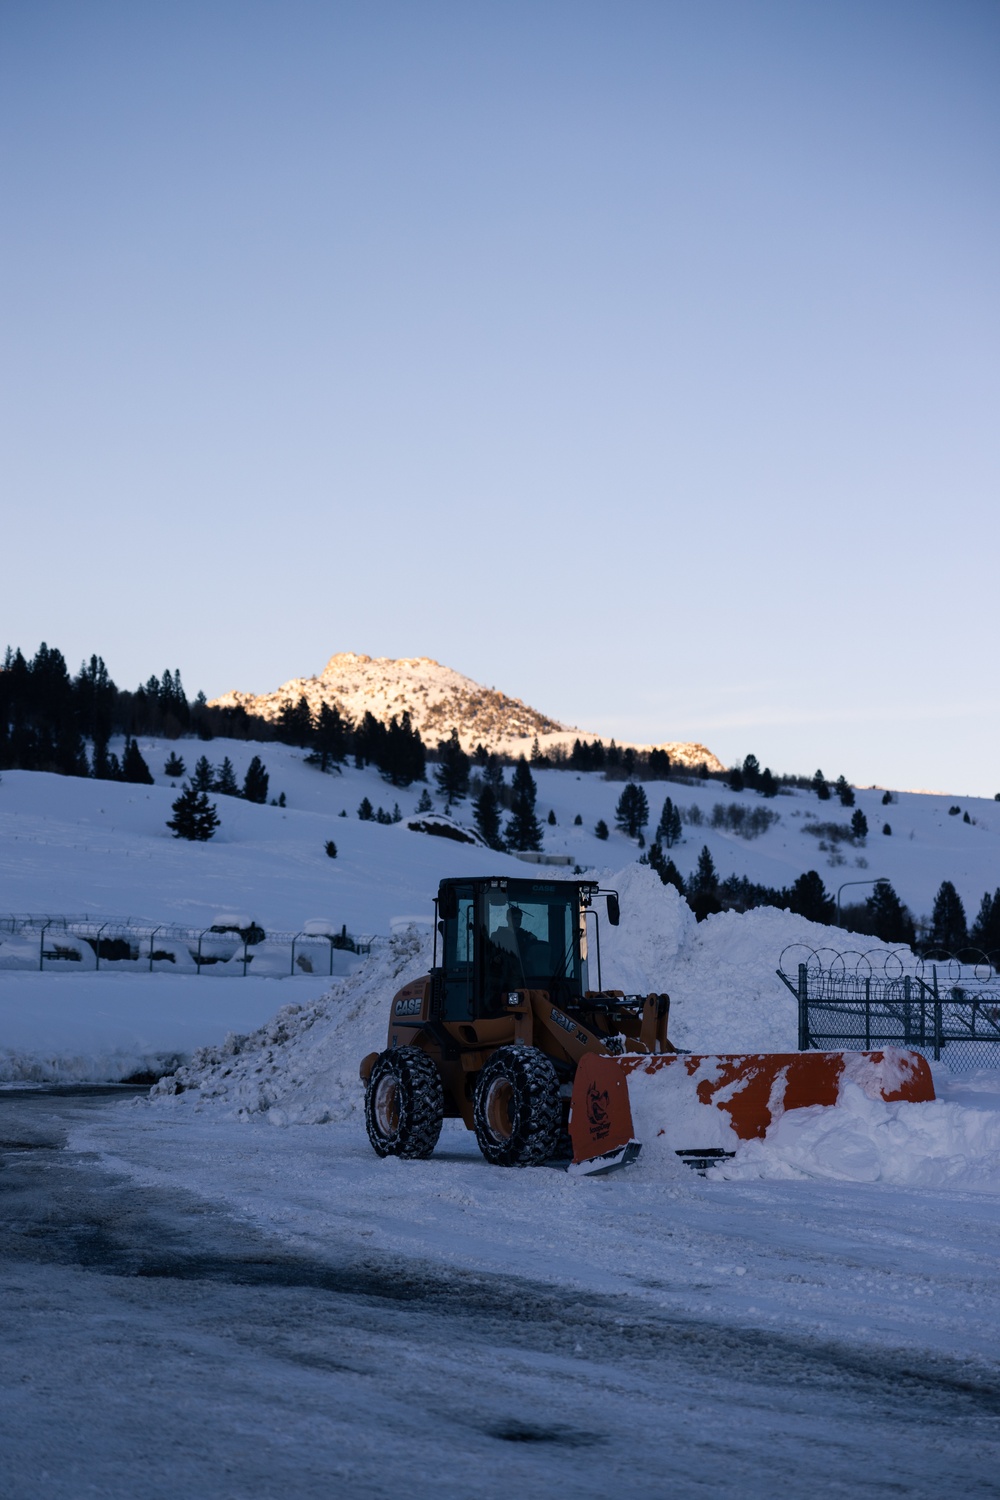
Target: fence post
x=937 y=1018
x=291 y=967
x=244 y=958
x=906 y=1007
x=868 y=1013
x=151 y=937
x=97 y=947
x=41 y=946
x=803 y=1008
x=331 y=958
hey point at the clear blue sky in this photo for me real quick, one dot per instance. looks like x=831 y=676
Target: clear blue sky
x=639 y=359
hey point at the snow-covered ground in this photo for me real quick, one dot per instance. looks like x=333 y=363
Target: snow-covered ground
x=843 y=1271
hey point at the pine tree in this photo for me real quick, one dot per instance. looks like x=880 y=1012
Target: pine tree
x=820 y=787
x=808 y=897
x=552 y=817
x=295 y=725
x=632 y=812
x=768 y=786
x=985 y=933
x=948 y=926
x=665 y=868
x=859 y=824
x=845 y=792
x=705 y=880
x=523 y=831
x=174 y=765
x=366 y=812
x=102 y=768
x=522 y=783
x=331 y=849
x=734 y=779
x=225 y=781
x=751 y=772
x=493 y=774
x=425 y=804
x=702 y=889
x=203 y=779
x=329 y=739
x=255 y=782
x=95 y=696
x=889 y=919
x=601 y=830
x=452 y=774
x=404 y=756
x=486 y=816
x=668 y=830
x=134 y=768
x=887 y=828
x=194 y=816
x=886 y=798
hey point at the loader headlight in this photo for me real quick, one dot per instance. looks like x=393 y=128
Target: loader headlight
x=513 y=998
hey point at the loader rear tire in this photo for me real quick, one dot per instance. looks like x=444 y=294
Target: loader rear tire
x=404 y=1104
x=517 y=1109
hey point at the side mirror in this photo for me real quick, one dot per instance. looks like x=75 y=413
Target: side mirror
x=614 y=910
x=448 y=902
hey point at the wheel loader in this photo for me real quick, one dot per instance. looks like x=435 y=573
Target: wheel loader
x=506 y=1034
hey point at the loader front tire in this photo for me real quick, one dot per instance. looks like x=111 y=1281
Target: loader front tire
x=404 y=1104
x=517 y=1109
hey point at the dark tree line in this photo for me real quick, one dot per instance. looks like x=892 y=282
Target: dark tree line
x=52 y=721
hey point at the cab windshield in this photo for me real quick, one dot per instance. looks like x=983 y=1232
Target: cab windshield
x=530 y=940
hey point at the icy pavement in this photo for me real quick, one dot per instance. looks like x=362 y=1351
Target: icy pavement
x=195 y=1308
x=878 y=1264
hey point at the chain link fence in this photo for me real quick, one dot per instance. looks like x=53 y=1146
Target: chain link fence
x=945 y=1008
x=75 y=945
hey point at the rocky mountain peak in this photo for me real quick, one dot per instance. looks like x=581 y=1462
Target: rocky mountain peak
x=436 y=697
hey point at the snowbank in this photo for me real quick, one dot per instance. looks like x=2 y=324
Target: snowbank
x=866 y=1140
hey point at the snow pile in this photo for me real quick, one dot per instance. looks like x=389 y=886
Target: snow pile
x=725 y=995
x=302 y=1066
x=866 y=1140
x=725 y=992
x=640 y=956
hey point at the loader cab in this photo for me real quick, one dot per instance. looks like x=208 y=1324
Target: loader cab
x=501 y=935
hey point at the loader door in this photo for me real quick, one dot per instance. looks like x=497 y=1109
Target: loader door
x=459 y=959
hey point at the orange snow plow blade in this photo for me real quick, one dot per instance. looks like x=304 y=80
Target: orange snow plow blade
x=705 y=1106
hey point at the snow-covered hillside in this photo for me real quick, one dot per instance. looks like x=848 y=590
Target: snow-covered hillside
x=437 y=699
x=74 y=845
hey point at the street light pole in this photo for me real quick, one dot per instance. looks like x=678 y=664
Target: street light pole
x=879 y=880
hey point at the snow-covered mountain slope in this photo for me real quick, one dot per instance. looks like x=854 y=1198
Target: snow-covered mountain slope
x=74 y=845
x=437 y=699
